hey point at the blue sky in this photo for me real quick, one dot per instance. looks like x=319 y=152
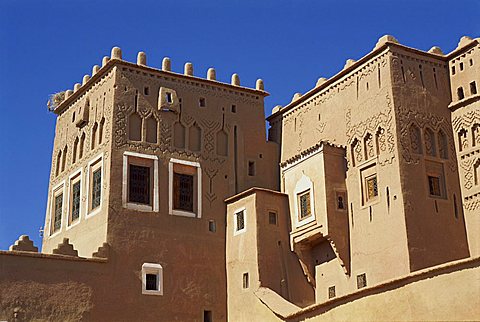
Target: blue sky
x=47 y=46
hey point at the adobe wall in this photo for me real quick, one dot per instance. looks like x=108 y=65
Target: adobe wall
x=435 y=229
x=466 y=132
x=44 y=287
x=192 y=257
x=96 y=96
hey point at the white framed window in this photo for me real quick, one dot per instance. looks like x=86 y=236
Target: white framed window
x=94 y=195
x=239 y=221
x=140 y=181
x=74 y=198
x=57 y=202
x=185 y=188
x=152 y=279
x=304 y=203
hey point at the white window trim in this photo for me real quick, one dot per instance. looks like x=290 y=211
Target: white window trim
x=175 y=212
x=241 y=231
x=79 y=171
x=95 y=211
x=60 y=186
x=150 y=268
x=131 y=205
x=303 y=185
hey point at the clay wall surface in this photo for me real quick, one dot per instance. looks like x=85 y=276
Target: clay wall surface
x=192 y=256
x=466 y=132
x=435 y=224
x=69 y=159
x=53 y=288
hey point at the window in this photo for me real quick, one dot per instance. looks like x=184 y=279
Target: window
x=372 y=187
x=473 y=88
x=152 y=279
x=234 y=109
x=169 y=97
x=207 y=316
x=146 y=90
x=304 y=204
x=443 y=144
x=251 y=168
x=246 y=281
x=471 y=62
x=435 y=179
x=140 y=181
x=58 y=209
x=453 y=70
x=212 y=226
x=341 y=200
x=272 y=218
x=331 y=292
x=139 y=184
x=75 y=197
x=461 y=66
x=460 y=93
x=369 y=184
x=239 y=222
x=94 y=186
x=361 y=280
x=202 y=102
x=185 y=188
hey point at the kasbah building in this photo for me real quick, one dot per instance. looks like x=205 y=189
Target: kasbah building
x=167 y=203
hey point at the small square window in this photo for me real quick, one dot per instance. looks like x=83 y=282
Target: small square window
x=473 y=88
x=212 y=226
x=202 y=102
x=341 y=200
x=151 y=282
x=251 y=168
x=207 y=316
x=361 y=280
x=471 y=62
x=146 y=90
x=169 y=97
x=331 y=292
x=246 y=281
x=453 y=70
x=272 y=218
x=435 y=179
x=152 y=279
x=234 y=109
x=461 y=66
x=304 y=204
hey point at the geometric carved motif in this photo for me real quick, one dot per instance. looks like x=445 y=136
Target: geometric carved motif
x=415 y=139
x=430 y=142
x=369 y=147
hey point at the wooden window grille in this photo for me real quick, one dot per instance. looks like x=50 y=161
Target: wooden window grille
x=305 y=207
x=151 y=283
x=372 y=187
x=183 y=191
x=240 y=218
x=331 y=292
x=434 y=186
x=96 y=188
x=139 y=185
x=272 y=218
x=57 y=221
x=75 y=201
x=361 y=280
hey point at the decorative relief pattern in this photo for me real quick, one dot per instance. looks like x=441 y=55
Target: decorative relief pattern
x=360 y=132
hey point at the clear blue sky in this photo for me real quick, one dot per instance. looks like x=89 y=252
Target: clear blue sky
x=47 y=46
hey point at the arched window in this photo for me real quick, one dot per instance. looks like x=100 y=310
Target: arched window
x=460 y=93
x=94 y=136
x=356 y=151
x=179 y=135
x=82 y=146
x=462 y=140
x=64 y=158
x=415 y=139
x=135 y=127
x=75 y=150
x=194 y=138
x=476 y=172
x=58 y=163
x=151 y=131
x=100 y=131
x=222 y=143
x=476 y=134
x=381 y=141
x=443 y=144
x=430 y=146
x=369 y=146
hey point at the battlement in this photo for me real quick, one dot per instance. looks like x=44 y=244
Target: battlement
x=350 y=65
x=188 y=73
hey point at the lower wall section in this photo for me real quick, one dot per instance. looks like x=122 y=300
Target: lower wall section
x=446 y=292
